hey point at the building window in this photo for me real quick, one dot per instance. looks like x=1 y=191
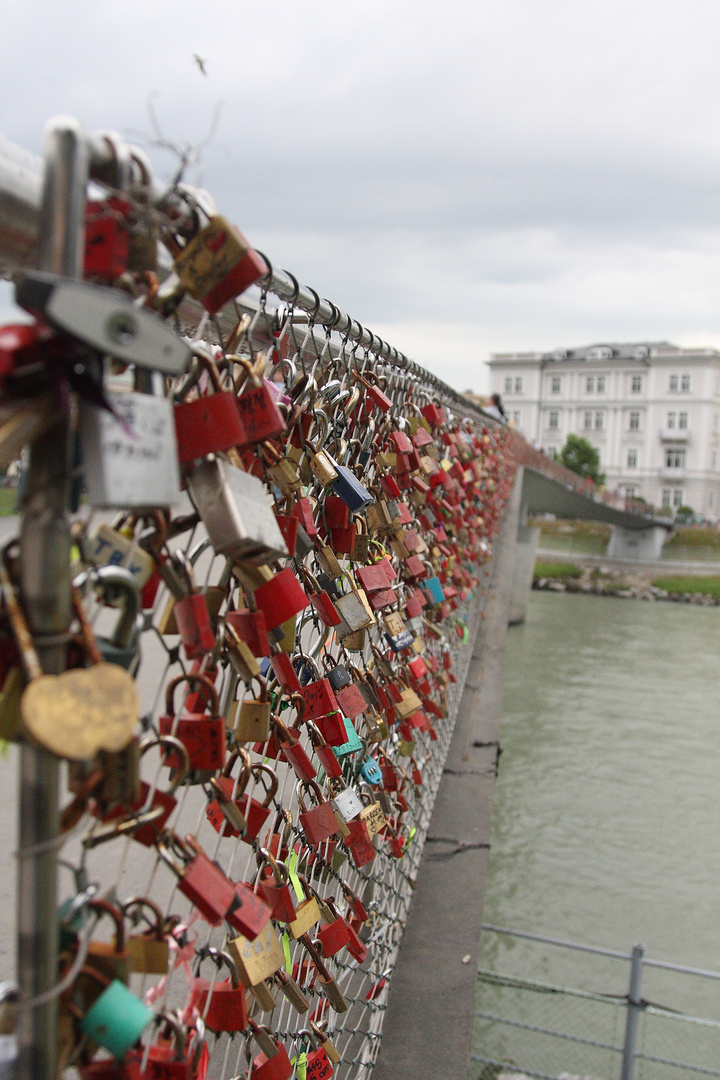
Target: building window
x=551 y=451
x=599 y=421
x=601 y=384
x=667 y=497
x=673 y=384
x=630 y=491
x=587 y=420
x=518 y=384
x=555 y=382
x=590 y=384
x=677 y=498
x=508 y=384
x=516 y=418
x=636 y=384
x=632 y=458
x=674 y=458
x=634 y=424
x=685 y=384
x=554 y=419
x=683 y=421
x=670 y=421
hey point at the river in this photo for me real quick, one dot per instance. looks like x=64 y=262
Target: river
x=606 y=827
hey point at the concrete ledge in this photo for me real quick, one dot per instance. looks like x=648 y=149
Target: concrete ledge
x=432 y=994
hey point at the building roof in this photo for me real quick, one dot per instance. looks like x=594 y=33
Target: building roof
x=635 y=350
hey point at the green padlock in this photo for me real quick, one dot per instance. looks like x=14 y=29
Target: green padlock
x=117 y=1019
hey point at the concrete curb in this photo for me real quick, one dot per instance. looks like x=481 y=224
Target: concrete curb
x=432 y=995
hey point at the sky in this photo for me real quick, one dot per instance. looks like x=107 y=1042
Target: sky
x=464 y=178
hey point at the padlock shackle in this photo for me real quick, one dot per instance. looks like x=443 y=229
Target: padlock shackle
x=104 y=907
x=170 y=742
x=259 y=769
x=242 y=782
x=193 y=680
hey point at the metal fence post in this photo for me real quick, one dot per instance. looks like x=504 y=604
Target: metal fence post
x=45 y=587
x=634 y=1008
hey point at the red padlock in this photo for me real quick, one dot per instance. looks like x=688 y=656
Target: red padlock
x=274 y=887
x=217 y=264
x=326 y=754
x=257 y=406
x=250 y=627
x=334 y=935
x=280 y=598
x=350 y=701
x=319 y=822
x=249 y=914
x=222 y=1004
x=359 y=843
x=199 y=879
x=288 y=740
x=202 y=734
x=320 y=699
x=273 y=1063
x=285 y=673
x=210 y=423
x=332 y=728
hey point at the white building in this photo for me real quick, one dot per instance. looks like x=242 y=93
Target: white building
x=651 y=409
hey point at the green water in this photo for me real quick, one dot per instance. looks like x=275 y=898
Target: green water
x=606 y=822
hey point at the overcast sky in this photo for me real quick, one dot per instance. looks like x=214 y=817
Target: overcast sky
x=463 y=177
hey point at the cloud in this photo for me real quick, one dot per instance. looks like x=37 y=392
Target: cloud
x=484 y=176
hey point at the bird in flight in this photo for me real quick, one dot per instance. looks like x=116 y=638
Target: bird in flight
x=200 y=63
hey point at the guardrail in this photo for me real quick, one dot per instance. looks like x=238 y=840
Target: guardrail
x=365 y=485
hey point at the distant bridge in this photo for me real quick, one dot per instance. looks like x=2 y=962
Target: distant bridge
x=549 y=488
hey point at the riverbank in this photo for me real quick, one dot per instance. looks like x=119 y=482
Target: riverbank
x=642 y=583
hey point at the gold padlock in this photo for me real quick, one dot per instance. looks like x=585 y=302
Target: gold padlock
x=251 y=717
x=257 y=959
x=307 y=914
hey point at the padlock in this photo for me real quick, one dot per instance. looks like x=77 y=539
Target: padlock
x=217 y=264
x=174 y=1056
x=319 y=822
x=373 y=390
x=110 y=959
x=191 y=613
x=359 y=843
x=150 y=951
x=324 y=751
x=251 y=717
x=334 y=934
x=372 y=815
x=307 y=914
x=129 y=451
x=355 y=611
x=256 y=403
x=319 y=698
x=280 y=598
x=321 y=600
x=199 y=879
x=273 y=886
x=146 y=817
x=222 y=1004
x=203 y=735
x=325 y=981
x=350 y=489
x=317 y=1063
x=211 y=423
x=117 y=583
x=273 y=1062
x=288 y=740
x=326 y=1043
x=82 y=711
x=250 y=626
x=236 y=511
x=248 y=914
x=116 y=1019
x=264 y=995
x=290 y=990
x=345 y=801
x=237 y=653
x=258 y=959
x=254 y=814
x=285 y=673
x=223 y=811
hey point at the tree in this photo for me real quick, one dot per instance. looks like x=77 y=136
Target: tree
x=582 y=458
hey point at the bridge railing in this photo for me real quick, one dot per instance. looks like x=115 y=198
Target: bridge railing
x=413 y=488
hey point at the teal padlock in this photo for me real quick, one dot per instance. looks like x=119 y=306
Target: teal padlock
x=353 y=744
x=117 y=1019
x=370 y=771
x=433 y=589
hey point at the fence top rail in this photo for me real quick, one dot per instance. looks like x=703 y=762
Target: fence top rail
x=681 y=968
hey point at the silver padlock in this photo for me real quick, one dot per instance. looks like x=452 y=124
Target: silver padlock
x=347 y=803
x=236 y=511
x=118 y=587
x=130 y=460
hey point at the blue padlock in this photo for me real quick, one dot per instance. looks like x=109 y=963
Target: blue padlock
x=433 y=590
x=400 y=641
x=371 y=771
x=354 y=494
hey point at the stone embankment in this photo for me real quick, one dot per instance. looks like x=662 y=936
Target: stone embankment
x=628 y=585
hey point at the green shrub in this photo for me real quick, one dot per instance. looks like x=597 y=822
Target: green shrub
x=694 y=537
